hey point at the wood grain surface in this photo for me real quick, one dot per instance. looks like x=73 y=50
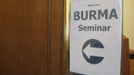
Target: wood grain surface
x=125 y=67
x=132 y=66
x=31 y=37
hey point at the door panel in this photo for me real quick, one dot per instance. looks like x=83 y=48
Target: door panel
x=25 y=37
x=56 y=17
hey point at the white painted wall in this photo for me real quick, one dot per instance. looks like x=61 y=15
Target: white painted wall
x=128 y=26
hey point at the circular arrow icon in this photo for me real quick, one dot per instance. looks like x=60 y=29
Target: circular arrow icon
x=92 y=43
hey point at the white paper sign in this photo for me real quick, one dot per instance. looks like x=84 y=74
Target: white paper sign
x=95 y=37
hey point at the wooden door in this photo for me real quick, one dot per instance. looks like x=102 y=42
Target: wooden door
x=31 y=37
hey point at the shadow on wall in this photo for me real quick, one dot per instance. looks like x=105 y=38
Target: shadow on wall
x=131 y=55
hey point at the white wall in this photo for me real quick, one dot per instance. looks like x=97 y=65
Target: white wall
x=128 y=28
